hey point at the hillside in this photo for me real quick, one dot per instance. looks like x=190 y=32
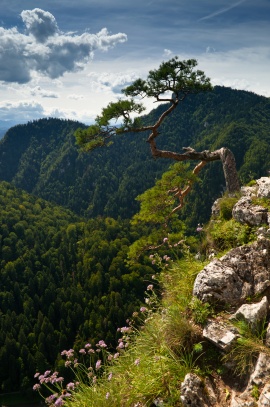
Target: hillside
x=42 y=158
x=206 y=343
x=63 y=281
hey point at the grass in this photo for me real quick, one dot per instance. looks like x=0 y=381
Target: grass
x=155 y=359
x=159 y=354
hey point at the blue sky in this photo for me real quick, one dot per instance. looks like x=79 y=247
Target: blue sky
x=70 y=58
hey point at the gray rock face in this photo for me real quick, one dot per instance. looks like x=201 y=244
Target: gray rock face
x=263 y=187
x=243 y=272
x=252 y=215
x=195 y=393
x=253 y=313
x=221 y=335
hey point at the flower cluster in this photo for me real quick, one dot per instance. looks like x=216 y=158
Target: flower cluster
x=55 y=385
x=87 y=367
x=84 y=372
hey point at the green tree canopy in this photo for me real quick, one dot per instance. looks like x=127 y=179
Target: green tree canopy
x=171 y=83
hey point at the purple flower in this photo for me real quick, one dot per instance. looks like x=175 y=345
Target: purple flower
x=121 y=345
x=70 y=386
x=36 y=387
x=116 y=355
x=125 y=329
x=150 y=287
x=165 y=240
x=59 y=402
x=137 y=362
x=82 y=351
x=87 y=346
x=98 y=364
x=101 y=344
x=110 y=376
x=107 y=395
x=143 y=309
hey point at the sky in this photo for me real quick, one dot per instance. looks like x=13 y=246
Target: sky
x=69 y=59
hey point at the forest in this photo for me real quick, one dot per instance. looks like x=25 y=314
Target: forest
x=66 y=223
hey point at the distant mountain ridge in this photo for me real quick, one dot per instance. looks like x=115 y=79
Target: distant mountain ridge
x=42 y=158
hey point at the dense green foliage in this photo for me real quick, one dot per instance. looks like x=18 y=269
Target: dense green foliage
x=42 y=157
x=63 y=281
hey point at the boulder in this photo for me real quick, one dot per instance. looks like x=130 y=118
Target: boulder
x=245 y=212
x=220 y=334
x=253 y=313
x=243 y=272
x=263 y=187
x=195 y=392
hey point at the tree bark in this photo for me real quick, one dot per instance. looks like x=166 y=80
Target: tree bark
x=223 y=154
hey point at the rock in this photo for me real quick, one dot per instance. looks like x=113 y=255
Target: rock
x=263 y=187
x=243 y=272
x=253 y=215
x=267 y=336
x=216 y=208
x=249 y=191
x=264 y=400
x=261 y=372
x=253 y=313
x=194 y=392
x=220 y=334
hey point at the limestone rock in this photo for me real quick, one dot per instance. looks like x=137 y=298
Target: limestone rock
x=253 y=313
x=220 y=334
x=264 y=400
x=263 y=187
x=194 y=392
x=252 y=215
x=242 y=272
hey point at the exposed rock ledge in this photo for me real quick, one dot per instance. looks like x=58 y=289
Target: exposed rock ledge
x=241 y=274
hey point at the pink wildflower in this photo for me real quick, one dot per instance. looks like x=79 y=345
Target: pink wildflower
x=98 y=364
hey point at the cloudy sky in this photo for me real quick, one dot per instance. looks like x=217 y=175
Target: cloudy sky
x=70 y=58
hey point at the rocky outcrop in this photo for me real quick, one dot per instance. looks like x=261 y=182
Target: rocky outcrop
x=252 y=313
x=195 y=392
x=232 y=281
x=241 y=273
x=245 y=212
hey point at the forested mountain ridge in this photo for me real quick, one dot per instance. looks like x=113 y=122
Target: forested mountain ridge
x=63 y=281
x=42 y=158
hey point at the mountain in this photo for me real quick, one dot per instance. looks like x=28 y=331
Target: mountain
x=42 y=158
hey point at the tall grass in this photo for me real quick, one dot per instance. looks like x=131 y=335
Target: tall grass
x=159 y=355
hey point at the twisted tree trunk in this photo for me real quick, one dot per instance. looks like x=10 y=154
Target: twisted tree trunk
x=223 y=154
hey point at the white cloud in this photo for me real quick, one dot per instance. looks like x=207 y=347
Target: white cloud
x=23 y=111
x=41 y=24
x=75 y=97
x=114 y=82
x=46 y=50
x=167 y=52
x=38 y=91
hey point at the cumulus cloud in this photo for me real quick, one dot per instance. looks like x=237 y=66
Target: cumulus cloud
x=23 y=111
x=39 y=23
x=111 y=81
x=38 y=91
x=44 y=49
